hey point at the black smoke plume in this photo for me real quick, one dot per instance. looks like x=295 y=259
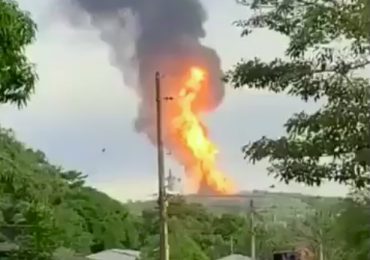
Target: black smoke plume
x=166 y=37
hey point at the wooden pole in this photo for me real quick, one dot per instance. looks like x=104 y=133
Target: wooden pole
x=231 y=245
x=253 y=235
x=162 y=200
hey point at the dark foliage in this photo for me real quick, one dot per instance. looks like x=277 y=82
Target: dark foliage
x=328 y=48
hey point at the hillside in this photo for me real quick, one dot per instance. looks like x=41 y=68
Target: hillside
x=45 y=209
x=37 y=197
x=278 y=204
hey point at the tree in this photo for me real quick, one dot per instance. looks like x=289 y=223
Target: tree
x=43 y=207
x=75 y=235
x=272 y=238
x=27 y=194
x=108 y=226
x=75 y=179
x=329 y=45
x=182 y=245
x=39 y=239
x=231 y=228
x=17 y=75
x=189 y=228
x=353 y=226
x=316 y=230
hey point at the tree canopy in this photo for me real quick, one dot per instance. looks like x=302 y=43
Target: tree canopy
x=42 y=208
x=17 y=74
x=329 y=47
x=49 y=212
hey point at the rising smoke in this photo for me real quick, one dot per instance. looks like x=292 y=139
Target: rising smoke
x=166 y=37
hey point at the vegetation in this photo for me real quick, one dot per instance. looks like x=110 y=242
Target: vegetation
x=45 y=210
x=17 y=75
x=329 y=45
x=356 y=236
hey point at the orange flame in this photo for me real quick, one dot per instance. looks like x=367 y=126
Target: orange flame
x=192 y=133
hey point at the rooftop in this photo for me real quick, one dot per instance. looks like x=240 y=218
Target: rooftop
x=235 y=257
x=7 y=247
x=115 y=254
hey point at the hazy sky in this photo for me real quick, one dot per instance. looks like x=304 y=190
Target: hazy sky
x=81 y=106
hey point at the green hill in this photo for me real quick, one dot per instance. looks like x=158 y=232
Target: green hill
x=278 y=204
x=43 y=207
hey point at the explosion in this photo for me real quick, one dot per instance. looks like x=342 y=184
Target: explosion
x=146 y=36
x=191 y=133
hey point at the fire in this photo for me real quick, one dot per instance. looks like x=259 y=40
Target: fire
x=192 y=134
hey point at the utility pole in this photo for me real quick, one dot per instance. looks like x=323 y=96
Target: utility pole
x=321 y=251
x=162 y=200
x=253 y=237
x=231 y=245
x=321 y=246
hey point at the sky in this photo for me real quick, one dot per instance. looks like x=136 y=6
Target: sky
x=81 y=106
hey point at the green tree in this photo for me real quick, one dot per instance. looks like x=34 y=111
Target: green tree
x=189 y=231
x=38 y=240
x=232 y=230
x=17 y=75
x=75 y=179
x=328 y=46
x=272 y=237
x=182 y=245
x=317 y=231
x=353 y=226
x=27 y=194
x=43 y=207
x=75 y=235
x=110 y=226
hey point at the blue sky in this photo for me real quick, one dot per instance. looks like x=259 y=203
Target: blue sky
x=81 y=105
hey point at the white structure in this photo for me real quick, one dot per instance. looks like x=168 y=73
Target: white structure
x=172 y=184
x=115 y=254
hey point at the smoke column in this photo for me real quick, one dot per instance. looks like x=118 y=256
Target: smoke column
x=146 y=36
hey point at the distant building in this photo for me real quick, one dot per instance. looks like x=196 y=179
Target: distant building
x=115 y=254
x=172 y=184
x=6 y=248
x=235 y=257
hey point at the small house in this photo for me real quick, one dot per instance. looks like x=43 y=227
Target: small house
x=115 y=254
x=235 y=257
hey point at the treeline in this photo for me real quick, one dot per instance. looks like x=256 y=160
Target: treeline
x=45 y=210
x=43 y=207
